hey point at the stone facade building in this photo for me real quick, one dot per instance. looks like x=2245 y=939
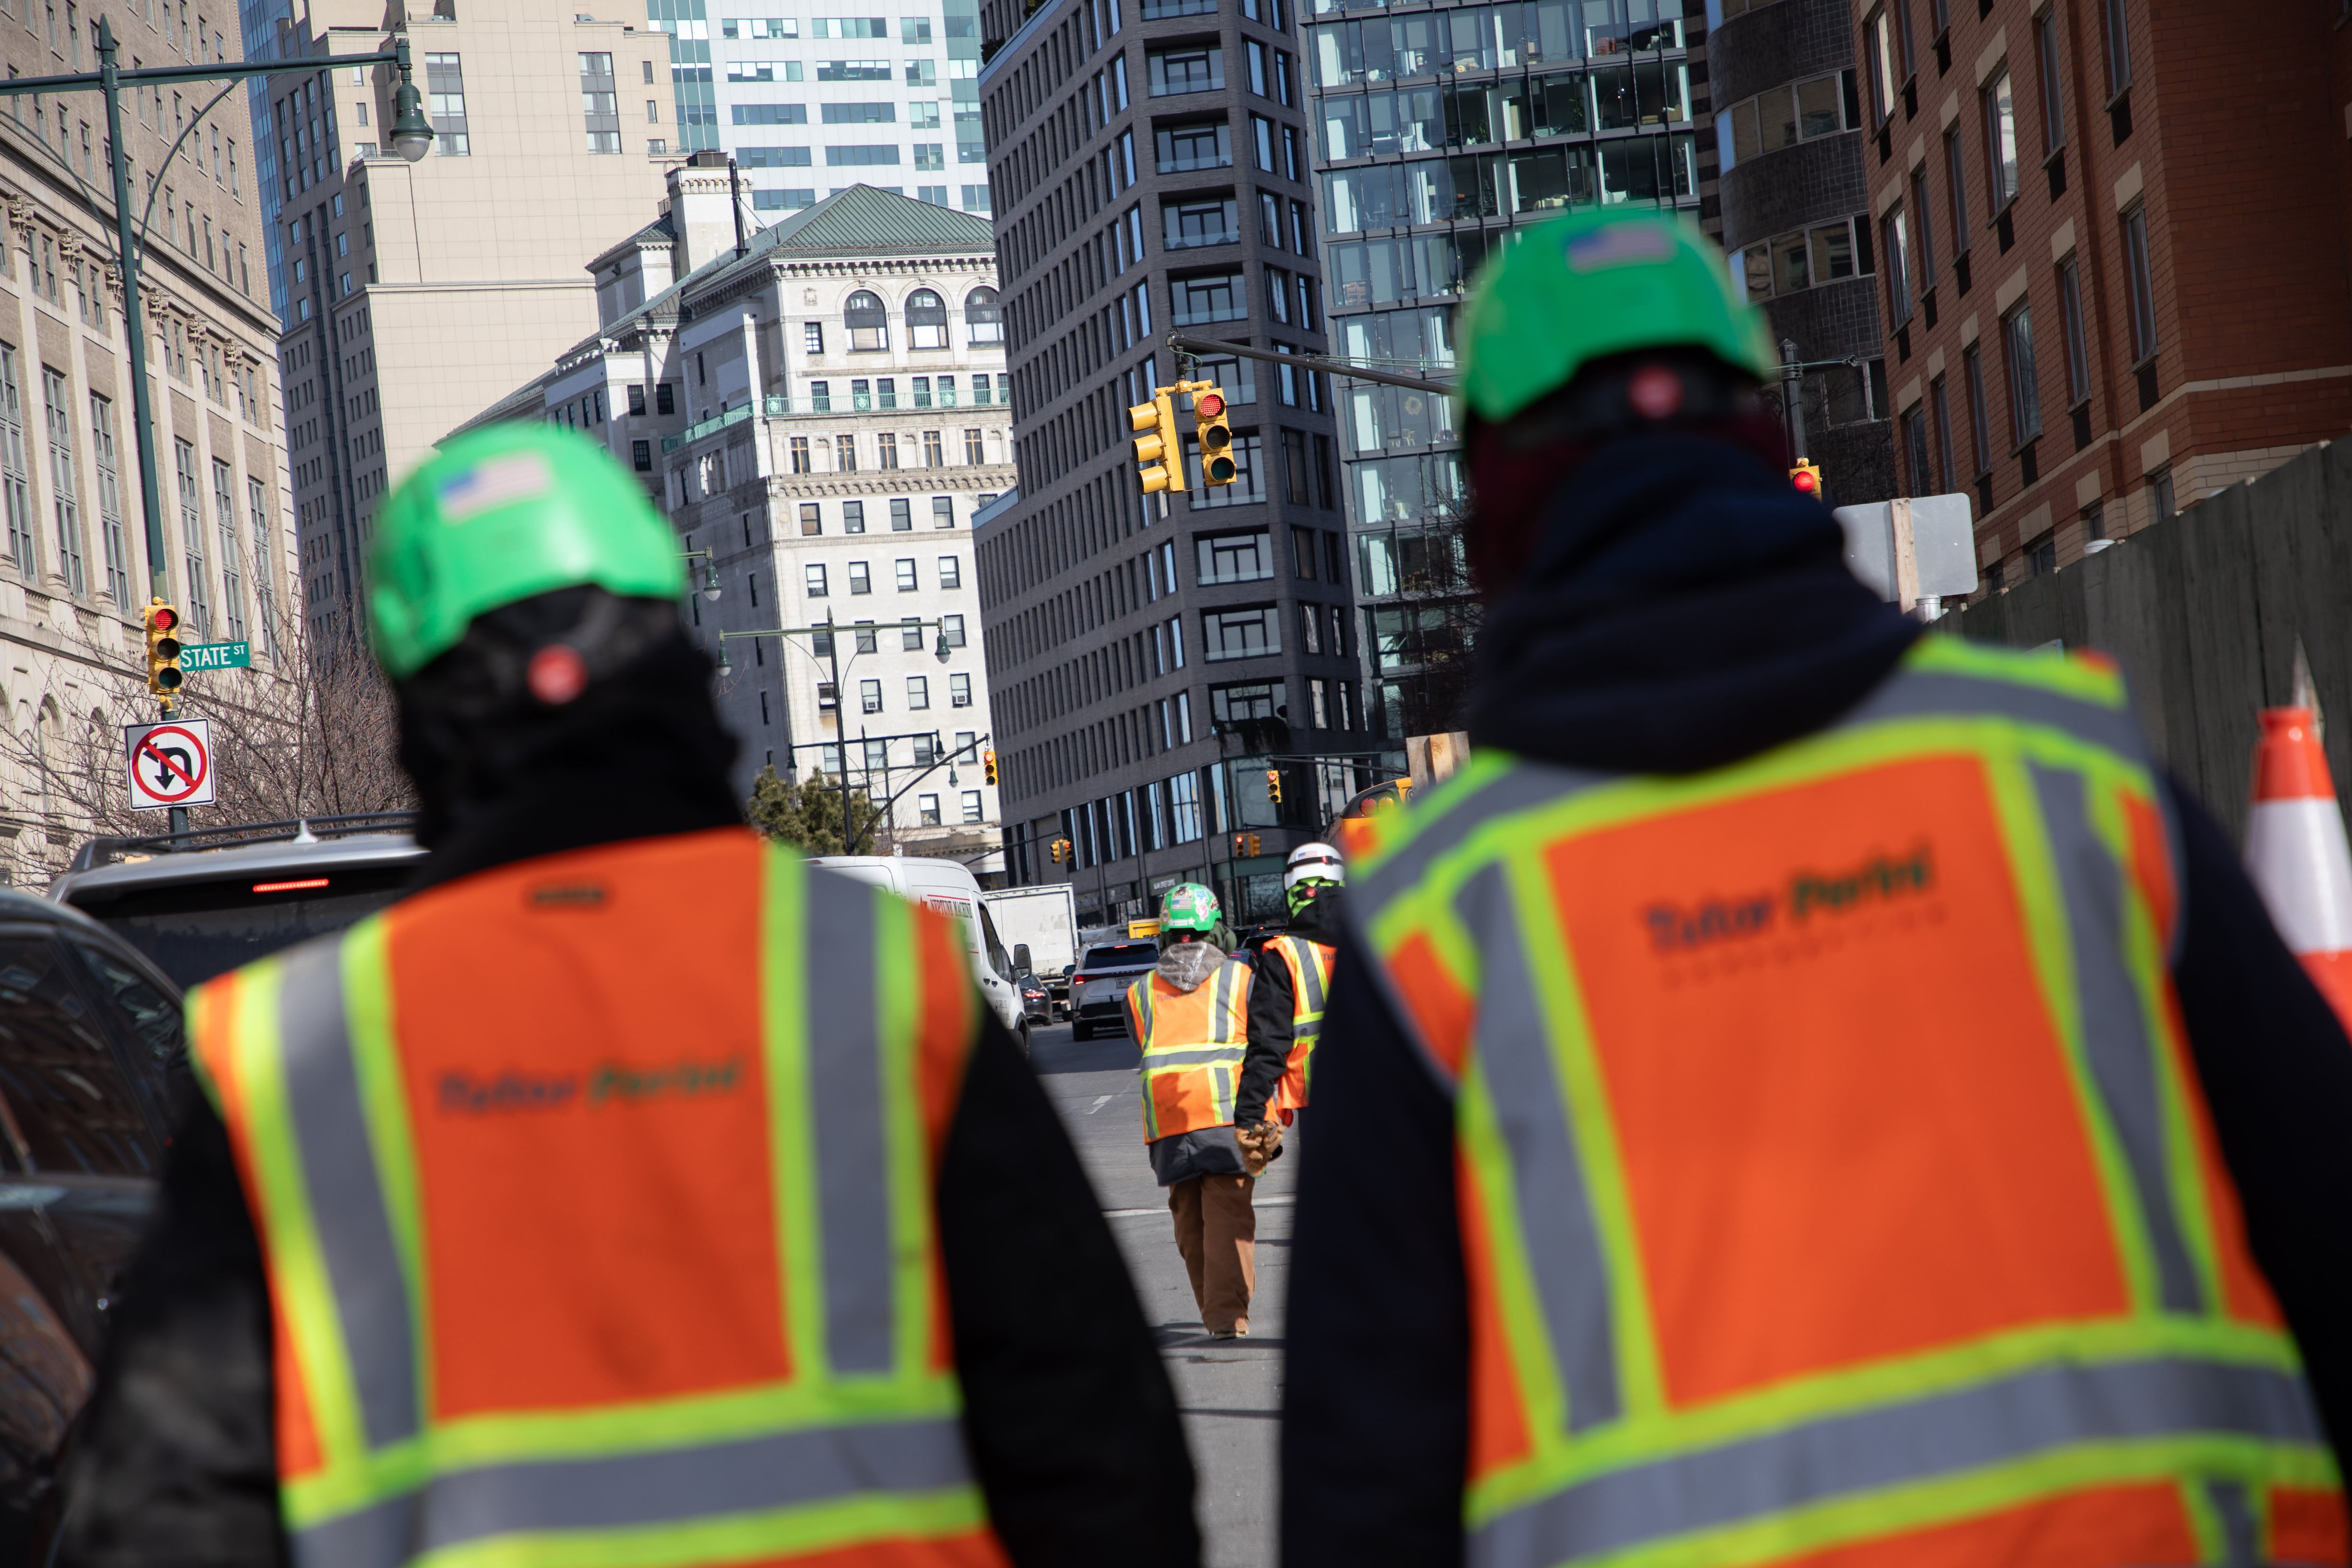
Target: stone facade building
x=820 y=411
x=75 y=567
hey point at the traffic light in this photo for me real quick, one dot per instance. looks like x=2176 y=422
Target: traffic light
x=162 y=650
x=1807 y=478
x=1274 y=785
x=1253 y=839
x=988 y=765
x=1159 y=466
x=1216 y=436
x=1056 y=848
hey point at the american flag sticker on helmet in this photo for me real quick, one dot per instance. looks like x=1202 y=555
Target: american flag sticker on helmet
x=1619 y=245
x=494 y=482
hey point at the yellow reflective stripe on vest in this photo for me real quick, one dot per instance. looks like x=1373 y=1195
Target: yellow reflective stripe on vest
x=1310 y=982
x=2169 y=1389
x=861 y=1441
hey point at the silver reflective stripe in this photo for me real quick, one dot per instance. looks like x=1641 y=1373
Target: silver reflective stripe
x=2241 y=1538
x=2118 y=1038
x=1519 y=786
x=1139 y=994
x=2035 y=1412
x=1310 y=974
x=853 y=1163
x=1557 y=1232
x=1200 y=1056
x=1911 y=694
x=347 y=1204
x=668 y=1485
x=1223 y=1024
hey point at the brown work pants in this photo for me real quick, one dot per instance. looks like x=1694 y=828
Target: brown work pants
x=1216 y=1230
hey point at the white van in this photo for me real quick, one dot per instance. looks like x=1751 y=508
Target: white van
x=948 y=887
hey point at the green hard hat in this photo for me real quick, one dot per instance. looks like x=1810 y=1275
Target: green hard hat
x=1189 y=907
x=503 y=514
x=1585 y=287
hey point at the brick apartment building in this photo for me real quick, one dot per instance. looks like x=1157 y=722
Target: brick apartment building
x=2109 y=283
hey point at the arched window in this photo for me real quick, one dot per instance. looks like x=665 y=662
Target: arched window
x=868 y=323
x=927 y=320
x=984 y=316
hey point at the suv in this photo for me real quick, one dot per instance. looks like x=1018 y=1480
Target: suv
x=1099 y=990
x=90 y=1060
x=201 y=903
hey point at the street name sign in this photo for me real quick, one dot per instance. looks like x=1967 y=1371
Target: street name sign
x=170 y=764
x=216 y=656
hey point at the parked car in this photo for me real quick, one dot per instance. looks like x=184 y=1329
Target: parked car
x=1098 y=991
x=207 y=901
x=90 y=1061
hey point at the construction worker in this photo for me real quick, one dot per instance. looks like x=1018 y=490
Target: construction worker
x=1286 y=996
x=1814 y=1092
x=1190 y=1017
x=629 y=1191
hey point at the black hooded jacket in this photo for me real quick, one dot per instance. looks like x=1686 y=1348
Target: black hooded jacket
x=1070 y=1419
x=1274 y=1009
x=1684 y=611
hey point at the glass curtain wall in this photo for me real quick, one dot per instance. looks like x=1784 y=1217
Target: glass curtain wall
x=1439 y=132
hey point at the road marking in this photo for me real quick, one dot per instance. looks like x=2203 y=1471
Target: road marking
x=1100 y=1102
x=1138 y=1213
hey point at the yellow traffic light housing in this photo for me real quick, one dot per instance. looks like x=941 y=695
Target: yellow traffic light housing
x=988 y=765
x=163 y=622
x=1158 y=465
x=1274 y=785
x=1217 y=466
x=1253 y=838
x=1806 y=477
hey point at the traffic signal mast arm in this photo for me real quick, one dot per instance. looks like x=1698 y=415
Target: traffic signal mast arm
x=1331 y=362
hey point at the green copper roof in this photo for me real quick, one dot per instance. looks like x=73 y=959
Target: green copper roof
x=863 y=221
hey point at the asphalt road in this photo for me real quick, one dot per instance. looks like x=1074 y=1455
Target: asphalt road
x=1230 y=1390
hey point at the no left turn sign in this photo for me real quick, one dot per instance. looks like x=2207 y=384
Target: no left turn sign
x=169 y=764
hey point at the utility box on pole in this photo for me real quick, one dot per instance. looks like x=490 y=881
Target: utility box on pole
x=1913 y=553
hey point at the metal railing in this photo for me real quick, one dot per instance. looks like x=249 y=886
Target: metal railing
x=107 y=849
x=775 y=405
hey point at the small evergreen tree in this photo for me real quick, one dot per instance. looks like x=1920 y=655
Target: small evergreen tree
x=808 y=814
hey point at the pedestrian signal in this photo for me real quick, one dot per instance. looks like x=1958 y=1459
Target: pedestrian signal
x=1807 y=478
x=1216 y=439
x=988 y=765
x=1274 y=785
x=1155 y=449
x=162 y=650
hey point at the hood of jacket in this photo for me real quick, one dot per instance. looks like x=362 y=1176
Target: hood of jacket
x=1685 y=609
x=1320 y=919
x=1186 y=965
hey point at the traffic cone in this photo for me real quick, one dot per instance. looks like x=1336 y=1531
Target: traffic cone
x=2296 y=853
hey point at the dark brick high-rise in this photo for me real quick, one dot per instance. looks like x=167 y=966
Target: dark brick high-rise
x=1150 y=168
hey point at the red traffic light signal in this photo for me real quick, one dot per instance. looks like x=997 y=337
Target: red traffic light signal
x=1806 y=478
x=164 y=617
x=1208 y=405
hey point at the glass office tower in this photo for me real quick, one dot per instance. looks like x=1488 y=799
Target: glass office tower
x=1440 y=130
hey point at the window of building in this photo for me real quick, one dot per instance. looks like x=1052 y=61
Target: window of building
x=950 y=571
x=905 y=569
x=2000 y=141
x=911 y=635
x=2070 y=306
x=952 y=629
x=853 y=517
x=1980 y=428
x=813 y=337
x=934 y=455
x=600 y=102
x=959 y=691
x=801 y=456
x=1234 y=557
x=1956 y=177
x=926 y=810
x=1188 y=222
x=816 y=579
x=1879 y=55
x=1212 y=297
x=918 y=692
x=844 y=455
x=2118 y=41
x=2159 y=495
x=444 y=88
x=1939 y=410
x=641 y=456
x=2139 y=284
x=974 y=453
x=1195 y=69
x=1241 y=633
x=869 y=697
x=1915 y=452
x=1897 y=244
x=2053 y=94
x=983 y=318
x=1923 y=259
x=1203 y=144
x=867 y=322
x=927 y=320
x=902 y=514
x=861 y=580
x=886 y=447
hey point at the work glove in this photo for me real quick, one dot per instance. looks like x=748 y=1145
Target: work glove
x=1259 y=1145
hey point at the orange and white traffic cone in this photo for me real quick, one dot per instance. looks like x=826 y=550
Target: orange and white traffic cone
x=2297 y=852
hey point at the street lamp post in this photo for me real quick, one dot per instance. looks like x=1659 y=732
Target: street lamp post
x=412 y=138
x=830 y=633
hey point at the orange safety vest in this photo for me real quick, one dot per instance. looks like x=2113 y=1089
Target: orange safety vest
x=595 y=1193
x=1193 y=1043
x=1836 y=1186
x=1311 y=984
